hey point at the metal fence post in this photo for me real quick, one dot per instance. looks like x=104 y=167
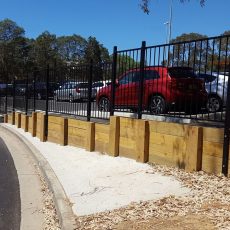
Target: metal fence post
x=226 y=132
x=34 y=90
x=113 y=83
x=47 y=100
x=26 y=93
x=6 y=96
x=14 y=88
x=141 y=81
x=90 y=82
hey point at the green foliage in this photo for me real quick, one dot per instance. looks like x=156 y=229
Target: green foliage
x=12 y=44
x=189 y=53
x=196 y=51
x=125 y=62
x=71 y=48
x=144 y=4
x=19 y=54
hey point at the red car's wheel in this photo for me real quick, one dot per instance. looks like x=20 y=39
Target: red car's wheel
x=104 y=104
x=157 y=105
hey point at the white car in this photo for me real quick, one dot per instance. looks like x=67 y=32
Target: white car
x=216 y=86
x=70 y=91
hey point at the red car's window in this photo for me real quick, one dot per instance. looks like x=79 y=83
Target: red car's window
x=181 y=72
x=126 y=79
x=151 y=75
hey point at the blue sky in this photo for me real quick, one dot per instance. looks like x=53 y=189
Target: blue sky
x=117 y=22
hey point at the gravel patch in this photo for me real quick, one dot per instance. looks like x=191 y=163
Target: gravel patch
x=51 y=221
x=209 y=197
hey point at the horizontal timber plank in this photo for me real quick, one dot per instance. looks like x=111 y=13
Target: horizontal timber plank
x=211 y=164
x=168 y=128
x=213 y=134
x=103 y=137
x=127 y=143
x=128 y=132
x=212 y=149
x=101 y=128
x=101 y=147
x=127 y=122
x=54 y=134
x=55 y=127
x=55 y=120
x=76 y=131
x=166 y=143
x=159 y=159
x=127 y=152
x=77 y=123
x=53 y=139
x=77 y=141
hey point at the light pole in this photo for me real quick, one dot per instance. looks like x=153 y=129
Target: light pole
x=169 y=24
x=170 y=21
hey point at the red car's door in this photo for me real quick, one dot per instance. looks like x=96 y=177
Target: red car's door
x=126 y=93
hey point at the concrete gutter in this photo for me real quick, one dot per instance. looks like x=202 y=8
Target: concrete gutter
x=62 y=204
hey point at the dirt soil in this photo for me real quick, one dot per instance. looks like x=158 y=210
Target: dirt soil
x=188 y=222
x=205 y=208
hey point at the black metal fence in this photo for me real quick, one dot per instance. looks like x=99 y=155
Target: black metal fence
x=187 y=80
x=182 y=80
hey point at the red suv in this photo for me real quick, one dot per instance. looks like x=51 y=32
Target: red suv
x=164 y=88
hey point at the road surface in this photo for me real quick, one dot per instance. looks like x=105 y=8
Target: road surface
x=10 y=204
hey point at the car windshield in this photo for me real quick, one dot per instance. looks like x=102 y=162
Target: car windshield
x=178 y=72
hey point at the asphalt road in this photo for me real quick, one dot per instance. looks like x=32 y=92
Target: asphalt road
x=10 y=204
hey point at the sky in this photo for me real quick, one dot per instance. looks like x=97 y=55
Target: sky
x=118 y=23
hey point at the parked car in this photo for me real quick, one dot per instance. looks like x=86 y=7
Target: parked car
x=70 y=91
x=40 y=90
x=3 y=89
x=20 y=89
x=163 y=88
x=96 y=86
x=216 y=86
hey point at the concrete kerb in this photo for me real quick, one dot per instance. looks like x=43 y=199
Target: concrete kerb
x=63 y=208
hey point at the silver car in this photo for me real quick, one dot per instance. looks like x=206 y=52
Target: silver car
x=216 y=86
x=70 y=91
x=95 y=88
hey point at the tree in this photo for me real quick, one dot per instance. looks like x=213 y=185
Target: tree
x=145 y=4
x=12 y=45
x=93 y=51
x=71 y=48
x=125 y=62
x=98 y=54
x=46 y=50
x=189 y=50
x=222 y=52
